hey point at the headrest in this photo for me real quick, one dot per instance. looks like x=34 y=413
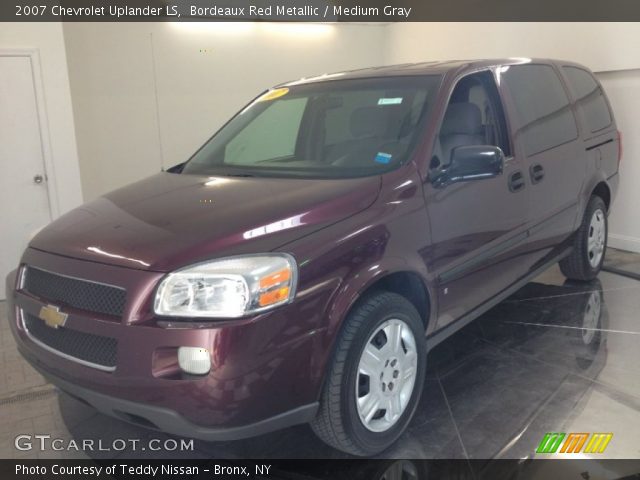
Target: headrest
x=462 y=118
x=369 y=122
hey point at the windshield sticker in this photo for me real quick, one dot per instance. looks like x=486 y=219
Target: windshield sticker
x=383 y=158
x=273 y=94
x=390 y=101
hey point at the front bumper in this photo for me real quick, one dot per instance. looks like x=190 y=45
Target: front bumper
x=263 y=374
x=169 y=421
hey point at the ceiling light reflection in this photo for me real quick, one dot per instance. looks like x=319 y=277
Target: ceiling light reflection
x=284 y=224
x=214 y=27
x=297 y=29
x=113 y=255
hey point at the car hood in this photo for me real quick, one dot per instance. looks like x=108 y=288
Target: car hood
x=171 y=220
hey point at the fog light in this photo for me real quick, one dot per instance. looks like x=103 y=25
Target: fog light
x=194 y=360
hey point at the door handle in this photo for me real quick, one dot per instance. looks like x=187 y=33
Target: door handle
x=38 y=179
x=516 y=181
x=537 y=173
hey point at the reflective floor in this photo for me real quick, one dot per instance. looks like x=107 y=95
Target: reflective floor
x=555 y=357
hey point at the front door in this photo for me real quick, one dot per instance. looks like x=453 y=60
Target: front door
x=24 y=201
x=477 y=226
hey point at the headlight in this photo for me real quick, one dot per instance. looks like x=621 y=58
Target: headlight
x=228 y=288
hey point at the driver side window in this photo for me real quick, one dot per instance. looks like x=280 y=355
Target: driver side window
x=474 y=116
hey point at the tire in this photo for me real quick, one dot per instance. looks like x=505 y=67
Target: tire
x=590 y=244
x=349 y=392
x=589 y=320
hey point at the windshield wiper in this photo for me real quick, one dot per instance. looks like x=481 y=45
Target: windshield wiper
x=279 y=160
x=239 y=175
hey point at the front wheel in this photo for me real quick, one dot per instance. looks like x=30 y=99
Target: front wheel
x=376 y=378
x=590 y=244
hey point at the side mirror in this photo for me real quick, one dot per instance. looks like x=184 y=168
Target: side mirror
x=474 y=162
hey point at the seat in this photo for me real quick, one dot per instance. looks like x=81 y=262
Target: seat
x=369 y=128
x=462 y=125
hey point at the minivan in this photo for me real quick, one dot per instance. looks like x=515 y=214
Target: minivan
x=301 y=264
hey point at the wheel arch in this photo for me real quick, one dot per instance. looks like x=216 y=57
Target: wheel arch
x=371 y=279
x=603 y=191
x=394 y=277
x=409 y=285
x=406 y=282
x=598 y=185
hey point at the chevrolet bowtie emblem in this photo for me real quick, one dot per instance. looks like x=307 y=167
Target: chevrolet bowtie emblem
x=52 y=316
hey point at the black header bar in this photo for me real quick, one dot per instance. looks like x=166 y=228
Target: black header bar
x=357 y=469
x=319 y=10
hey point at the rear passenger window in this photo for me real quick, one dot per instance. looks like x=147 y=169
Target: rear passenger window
x=544 y=116
x=589 y=97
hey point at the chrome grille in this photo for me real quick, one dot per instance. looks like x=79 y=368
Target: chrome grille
x=92 y=350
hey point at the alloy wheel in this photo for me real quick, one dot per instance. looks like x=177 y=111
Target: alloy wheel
x=597 y=238
x=386 y=375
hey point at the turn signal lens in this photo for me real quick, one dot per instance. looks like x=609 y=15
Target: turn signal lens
x=275 y=278
x=274 y=296
x=274 y=288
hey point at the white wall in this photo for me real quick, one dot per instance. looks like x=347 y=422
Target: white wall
x=611 y=49
x=601 y=46
x=623 y=90
x=203 y=74
x=111 y=74
x=48 y=39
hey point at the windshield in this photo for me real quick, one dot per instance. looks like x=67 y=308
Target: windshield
x=334 y=129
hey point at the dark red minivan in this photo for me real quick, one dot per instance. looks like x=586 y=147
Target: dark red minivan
x=301 y=264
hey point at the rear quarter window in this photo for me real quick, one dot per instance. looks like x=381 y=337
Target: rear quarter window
x=589 y=97
x=543 y=110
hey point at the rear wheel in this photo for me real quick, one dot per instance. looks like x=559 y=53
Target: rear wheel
x=590 y=244
x=376 y=378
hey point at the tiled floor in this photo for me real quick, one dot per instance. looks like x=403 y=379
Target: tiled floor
x=525 y=368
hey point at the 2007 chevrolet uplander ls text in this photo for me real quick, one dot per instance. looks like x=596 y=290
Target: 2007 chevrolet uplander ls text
x=301 y=264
